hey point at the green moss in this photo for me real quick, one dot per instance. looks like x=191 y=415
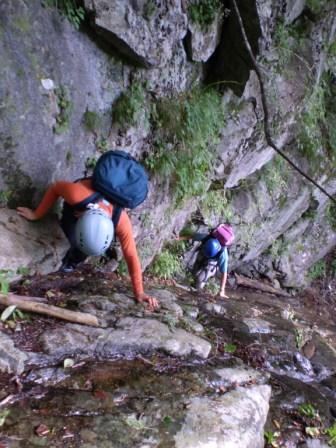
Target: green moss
x=204 y=12
x=5 y=196
x=102 y=144
x=90 y=163
x=318 y=270
x=68 y=157
x=278 y=249
x=92 y=121
x=22 y=24
x=122 y=268
x=65 y=109
x=128 y=108
x=149 y=9
x=331 y=214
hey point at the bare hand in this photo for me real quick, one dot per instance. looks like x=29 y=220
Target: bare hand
x=153 y=303
x=27 y=213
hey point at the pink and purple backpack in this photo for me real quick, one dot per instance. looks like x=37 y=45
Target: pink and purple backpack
x=224 y=234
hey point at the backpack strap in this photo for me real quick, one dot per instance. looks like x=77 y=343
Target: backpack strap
x=116 y=216
x=94 y=197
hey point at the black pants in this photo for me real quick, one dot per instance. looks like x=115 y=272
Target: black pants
x=68 y=223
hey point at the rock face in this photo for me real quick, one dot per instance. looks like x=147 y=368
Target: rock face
x=56 y=98
x=226 y=421
x=30 y=246
x=147 y=37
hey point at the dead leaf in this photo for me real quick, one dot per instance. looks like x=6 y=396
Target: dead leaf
x=100 y=394
x=50 y=294
x=42 y=430
x=313 y=432
x=276 y=424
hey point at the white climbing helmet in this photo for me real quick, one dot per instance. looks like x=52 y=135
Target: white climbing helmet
x=94 y=232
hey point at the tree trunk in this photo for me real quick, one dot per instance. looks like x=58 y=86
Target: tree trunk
x=255 y=284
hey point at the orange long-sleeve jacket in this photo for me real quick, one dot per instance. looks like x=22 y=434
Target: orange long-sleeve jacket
x=75 y=192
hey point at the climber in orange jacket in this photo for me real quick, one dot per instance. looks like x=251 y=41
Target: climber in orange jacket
x=101 y=212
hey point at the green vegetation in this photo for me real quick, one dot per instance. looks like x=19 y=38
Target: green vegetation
x=317 y=5
x=230 y=348
x=166 y=265
x=270 y=438
x=13 y=312
x=139 y=424
x=212 y=286
x=317 y=134
x=318 y=270
x=4 y=197
x=204 y=12
x=23 y=270
x=149 y=9
x=186 y=129
x=331 y=433
x=90 y=163
x=278 y=248
x=68 y=157
x=75 y=14
x=299 y=337
x=22 y=24
x=331 y=214
x=128 y=108
x=276 y=176
x=92 y=121
x=332 y=268
x=122 y=268
x=307 y=410
x=102 y=144
x=309 y=141
x=283 y=44
x=5 y=274
x=65 y=109
x=215 y=204
x=3 y=415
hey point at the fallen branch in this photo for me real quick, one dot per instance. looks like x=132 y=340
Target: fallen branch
x=32 y=304
x=255 y=284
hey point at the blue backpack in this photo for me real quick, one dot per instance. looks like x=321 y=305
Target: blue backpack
x=121 y=180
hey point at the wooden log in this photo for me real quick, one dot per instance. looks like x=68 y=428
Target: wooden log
x=255 y=284
x=31 y=304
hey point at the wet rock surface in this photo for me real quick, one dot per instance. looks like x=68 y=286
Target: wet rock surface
x=149 y=379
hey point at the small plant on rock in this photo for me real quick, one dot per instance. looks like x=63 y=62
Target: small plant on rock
x=204 y=12
x=92 y=121
x=65 y=108
x=75 y=14
x=186 y=127
x=271 y=438
x=318 y=270
x=166 y=265
x=308 y=410
x=128 y=108
x=149 y=9
x=331 y=433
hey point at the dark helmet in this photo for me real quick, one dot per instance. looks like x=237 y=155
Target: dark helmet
x=211 y=247
x=94 y=232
